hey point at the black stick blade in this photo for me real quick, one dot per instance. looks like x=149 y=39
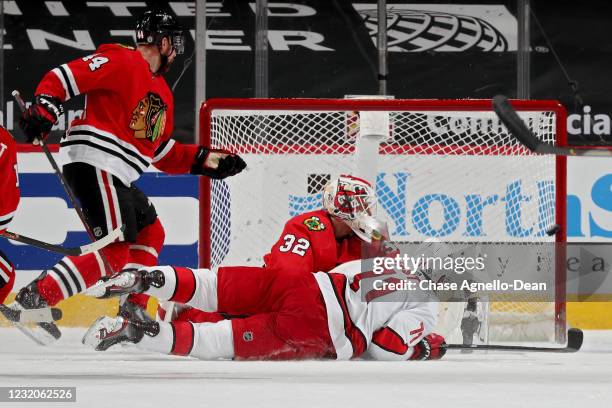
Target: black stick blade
x=514 y=123
x=10 y=314
x=574 y=342
x=574 y=339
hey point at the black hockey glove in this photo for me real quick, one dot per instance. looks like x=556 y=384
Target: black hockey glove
x=431 y=347
x=217 y=163
x=37 y=120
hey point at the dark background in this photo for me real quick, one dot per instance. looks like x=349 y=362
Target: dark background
x=580 y=33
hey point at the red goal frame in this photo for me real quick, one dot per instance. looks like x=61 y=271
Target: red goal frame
x=305 y=104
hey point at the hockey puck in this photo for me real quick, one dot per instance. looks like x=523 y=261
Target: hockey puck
x=552 y=230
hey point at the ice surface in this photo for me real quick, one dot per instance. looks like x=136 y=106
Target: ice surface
x=127 y=377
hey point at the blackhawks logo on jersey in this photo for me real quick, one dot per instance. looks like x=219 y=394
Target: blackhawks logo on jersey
x=149 y=117
x=314 y=224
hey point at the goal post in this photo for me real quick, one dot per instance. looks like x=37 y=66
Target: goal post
x=444 y=169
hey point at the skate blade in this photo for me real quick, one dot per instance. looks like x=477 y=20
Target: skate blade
x=38 y=334
x=19 y=315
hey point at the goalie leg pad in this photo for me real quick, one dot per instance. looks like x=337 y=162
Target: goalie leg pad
x=287 y=316
x=197 y=288
x=285 y=335
x=198 y=316
x=203 y=341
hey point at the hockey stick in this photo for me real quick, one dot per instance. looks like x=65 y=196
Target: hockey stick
x=517 y=128
x=57 y=170
x=75 y=251
x=63 y=182
x=574 y=342
x=44 y=315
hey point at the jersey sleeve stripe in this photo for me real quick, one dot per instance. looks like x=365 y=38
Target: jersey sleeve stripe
x=66 y=80
x=5 y=268
x=6 y=219
x=389 y=340
x=163 y=150
x=71 y=81
x=5 y=261
x=4 y=278
x=62 y=79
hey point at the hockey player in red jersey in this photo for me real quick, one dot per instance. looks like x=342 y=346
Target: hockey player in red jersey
x=290 y=315
x=321 y=240
x=126 y=126
x=9 y=191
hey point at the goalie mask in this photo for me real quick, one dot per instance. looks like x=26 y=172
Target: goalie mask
x=353 y=200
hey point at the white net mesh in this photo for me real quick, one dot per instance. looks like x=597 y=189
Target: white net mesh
x=449 y=171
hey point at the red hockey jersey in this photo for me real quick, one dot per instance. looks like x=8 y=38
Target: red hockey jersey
x=128 y=116
x=9 y=182
x=308 y=244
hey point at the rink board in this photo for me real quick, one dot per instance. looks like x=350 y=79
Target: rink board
x=45 y=214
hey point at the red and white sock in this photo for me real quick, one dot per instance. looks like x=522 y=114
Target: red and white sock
x=74 y=274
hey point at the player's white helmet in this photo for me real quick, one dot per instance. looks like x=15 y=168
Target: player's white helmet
x=353 y=200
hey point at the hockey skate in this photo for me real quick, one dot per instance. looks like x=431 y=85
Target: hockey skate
x=126 y=282
x=28 y=298
x=108 y=331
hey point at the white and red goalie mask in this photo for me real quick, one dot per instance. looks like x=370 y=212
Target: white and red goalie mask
x=353 y=200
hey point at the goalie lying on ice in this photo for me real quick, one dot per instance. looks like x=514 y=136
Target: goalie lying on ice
x=304 y=316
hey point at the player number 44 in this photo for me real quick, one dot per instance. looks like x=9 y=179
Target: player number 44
x=297 y=246
x=96 y=62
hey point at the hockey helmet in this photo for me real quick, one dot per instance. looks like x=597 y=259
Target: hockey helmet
x=353 y=200
x=154 y=25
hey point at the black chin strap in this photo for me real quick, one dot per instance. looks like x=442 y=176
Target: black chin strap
x=163 y=66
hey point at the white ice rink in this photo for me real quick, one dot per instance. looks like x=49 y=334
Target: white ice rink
x=126 y=377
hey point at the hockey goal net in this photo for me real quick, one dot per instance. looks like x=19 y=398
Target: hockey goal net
x=442 y=168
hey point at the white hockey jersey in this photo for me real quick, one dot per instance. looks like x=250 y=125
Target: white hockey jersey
x=366 y=319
